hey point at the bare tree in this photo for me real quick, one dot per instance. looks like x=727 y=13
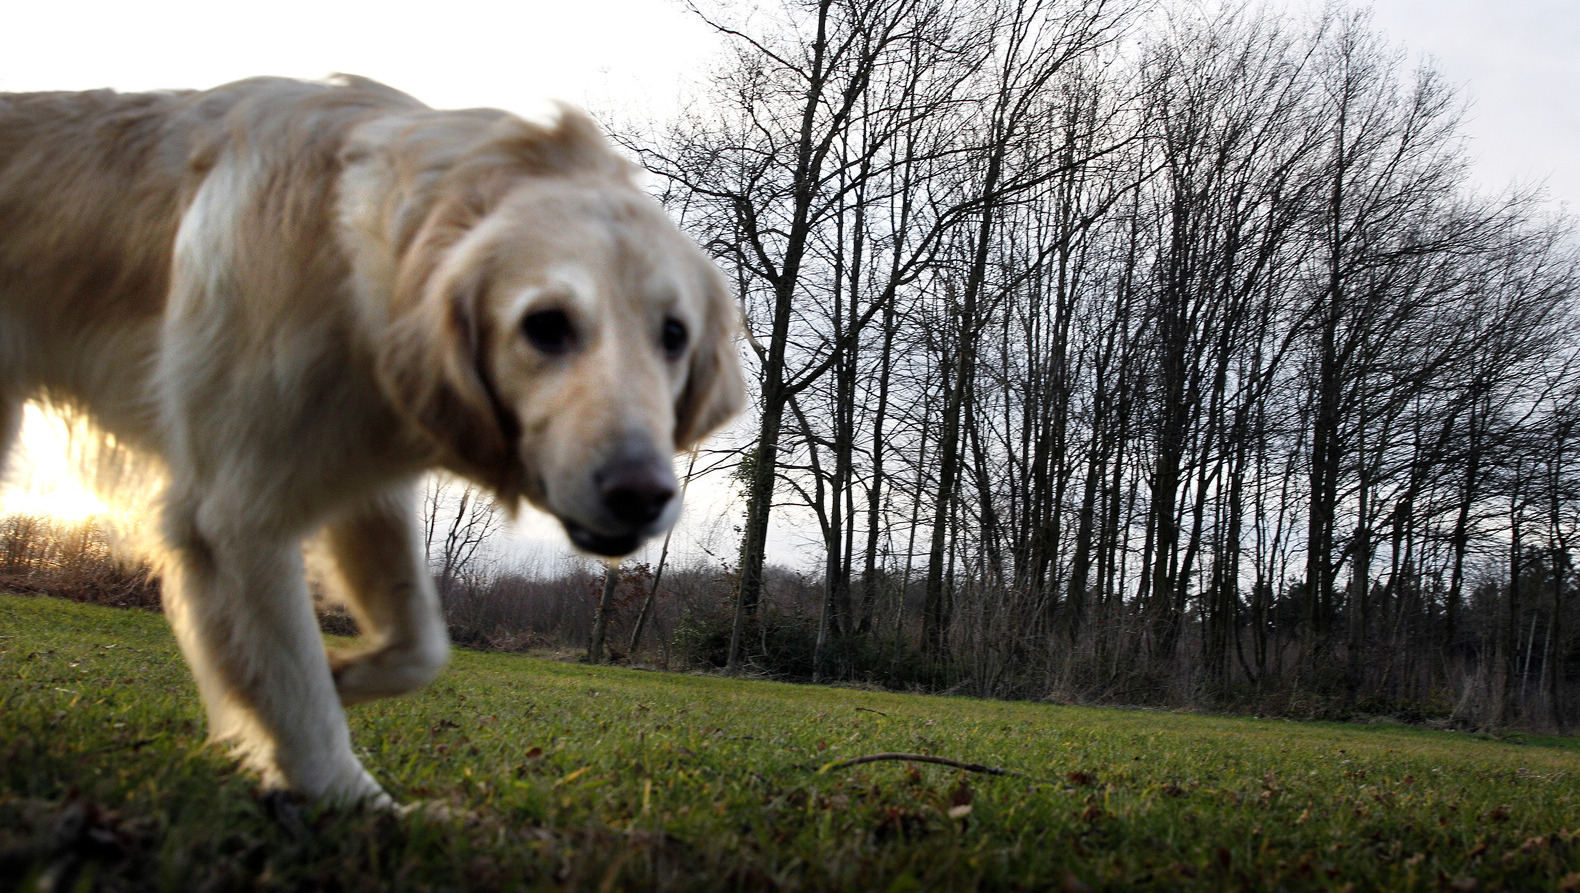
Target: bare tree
x=458 y=519
x=1175 y=361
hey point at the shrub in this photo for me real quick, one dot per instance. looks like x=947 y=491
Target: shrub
x=74 y=560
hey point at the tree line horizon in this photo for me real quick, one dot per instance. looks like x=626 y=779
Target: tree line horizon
x=1159 y=354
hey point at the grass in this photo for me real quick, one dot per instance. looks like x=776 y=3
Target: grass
x=576 y=777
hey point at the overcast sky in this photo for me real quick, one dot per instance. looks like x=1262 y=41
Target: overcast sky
x=1516 y=61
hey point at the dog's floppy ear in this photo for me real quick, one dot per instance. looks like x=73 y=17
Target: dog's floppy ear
x=714 y=390
x=434 y=367
x=570 y=145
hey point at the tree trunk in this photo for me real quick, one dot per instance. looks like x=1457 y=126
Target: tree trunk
x=611 y=582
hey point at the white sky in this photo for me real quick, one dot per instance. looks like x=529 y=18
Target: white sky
x=449 y=54
x=1517 y=60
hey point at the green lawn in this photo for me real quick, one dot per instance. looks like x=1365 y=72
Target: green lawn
x=578 y=777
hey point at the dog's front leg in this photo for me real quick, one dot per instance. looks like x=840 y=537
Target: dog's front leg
x=380 y=575
x=240 y=607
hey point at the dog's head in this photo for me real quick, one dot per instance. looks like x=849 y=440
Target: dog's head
x=556 y=336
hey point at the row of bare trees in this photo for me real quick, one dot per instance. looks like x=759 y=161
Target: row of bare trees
x=1146 y=357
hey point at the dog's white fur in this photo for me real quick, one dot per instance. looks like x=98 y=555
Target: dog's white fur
x=298 y=297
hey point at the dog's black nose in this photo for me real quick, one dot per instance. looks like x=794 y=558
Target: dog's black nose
x=637 y=491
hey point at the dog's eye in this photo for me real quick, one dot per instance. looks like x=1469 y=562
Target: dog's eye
x=674 y=338
x=550 y=331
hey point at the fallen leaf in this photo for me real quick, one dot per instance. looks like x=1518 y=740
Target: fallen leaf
x=1073 y=884
x=1534 y=844
x=962 y=795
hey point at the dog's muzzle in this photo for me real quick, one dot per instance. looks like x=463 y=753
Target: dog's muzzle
x=637 y=498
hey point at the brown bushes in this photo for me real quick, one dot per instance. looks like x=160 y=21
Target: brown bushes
x=74 y=560
x=688 y=609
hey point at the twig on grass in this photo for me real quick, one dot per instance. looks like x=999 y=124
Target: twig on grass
x=870 y=710
x=923 y=758
x=139 y=744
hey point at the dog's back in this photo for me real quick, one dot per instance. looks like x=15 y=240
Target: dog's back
x=88 y=209
x=93 y=187
x=89 y=186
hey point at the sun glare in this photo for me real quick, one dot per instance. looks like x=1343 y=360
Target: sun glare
x=41 y=478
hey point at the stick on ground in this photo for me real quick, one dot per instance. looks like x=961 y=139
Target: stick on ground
x=922 y=758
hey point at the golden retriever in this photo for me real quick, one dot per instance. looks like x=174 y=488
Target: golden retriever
x=299 y=297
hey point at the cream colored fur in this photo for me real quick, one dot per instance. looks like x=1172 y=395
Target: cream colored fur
x=295 y=298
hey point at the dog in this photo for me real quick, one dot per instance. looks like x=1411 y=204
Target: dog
x=295 y=298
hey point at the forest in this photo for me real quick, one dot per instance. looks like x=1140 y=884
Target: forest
x=1139 y=356
x=1112 y=354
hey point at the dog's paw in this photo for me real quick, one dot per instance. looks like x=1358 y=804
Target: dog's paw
x=384 y=671
x=435 y=811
